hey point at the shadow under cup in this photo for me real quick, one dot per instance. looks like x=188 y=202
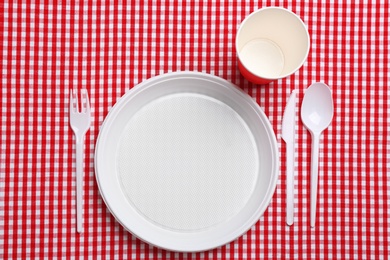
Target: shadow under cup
x=271 y=43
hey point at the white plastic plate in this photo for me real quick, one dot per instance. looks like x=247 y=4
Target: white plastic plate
x=186 y=161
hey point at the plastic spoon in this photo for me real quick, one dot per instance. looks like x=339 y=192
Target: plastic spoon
x=316 y=114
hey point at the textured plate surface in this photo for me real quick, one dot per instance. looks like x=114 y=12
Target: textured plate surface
x=186 y=161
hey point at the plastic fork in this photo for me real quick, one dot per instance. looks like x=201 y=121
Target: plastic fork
x=80 y=120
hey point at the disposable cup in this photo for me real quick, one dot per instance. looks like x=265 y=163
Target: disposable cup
x=271 y=43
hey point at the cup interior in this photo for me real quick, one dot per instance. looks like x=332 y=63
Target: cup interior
x=272 y=43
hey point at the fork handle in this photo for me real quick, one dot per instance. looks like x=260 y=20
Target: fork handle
x=79 y=181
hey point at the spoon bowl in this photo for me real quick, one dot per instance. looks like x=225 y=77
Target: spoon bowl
x=317 y=107
x=316 y=114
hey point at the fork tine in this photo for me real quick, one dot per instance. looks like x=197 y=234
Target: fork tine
x=85 y=108
x=73 y=101
x=77 y=100
x=70 y=101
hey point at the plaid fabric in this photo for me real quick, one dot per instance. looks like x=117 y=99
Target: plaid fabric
x=49 y=47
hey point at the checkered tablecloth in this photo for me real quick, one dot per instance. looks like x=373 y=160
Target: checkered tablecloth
x=49 y=47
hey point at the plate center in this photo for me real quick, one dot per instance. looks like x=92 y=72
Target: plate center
x=187 y=162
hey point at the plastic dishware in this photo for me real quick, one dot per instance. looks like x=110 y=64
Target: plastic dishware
x=271 y=43
x=316 y=114
x=80 y=120
x=186 y=161
x=288 y=135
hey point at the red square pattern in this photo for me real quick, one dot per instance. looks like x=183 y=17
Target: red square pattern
x=49 y=47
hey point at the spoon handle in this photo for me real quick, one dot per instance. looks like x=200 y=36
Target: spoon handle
x=315 y=146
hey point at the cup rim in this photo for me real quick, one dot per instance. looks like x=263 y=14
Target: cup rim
x=281 y=75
